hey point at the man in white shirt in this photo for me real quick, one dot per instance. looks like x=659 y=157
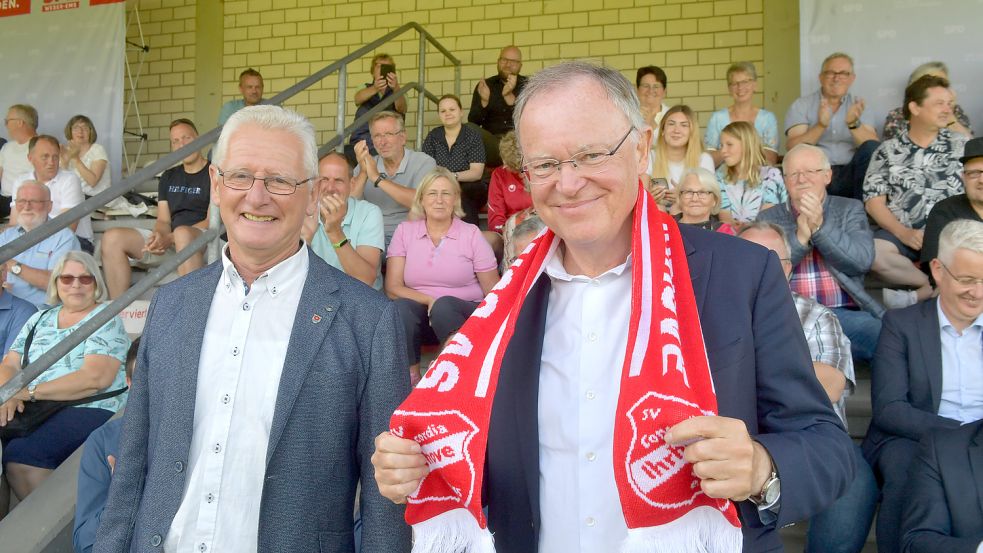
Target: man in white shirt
x=550 y=475
x=261 y=380
x=44 y=152
x=22 y=125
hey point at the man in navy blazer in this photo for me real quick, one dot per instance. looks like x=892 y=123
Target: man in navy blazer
x=928 y=371
x=261 y=379
x=945 y=514
x=776 y=423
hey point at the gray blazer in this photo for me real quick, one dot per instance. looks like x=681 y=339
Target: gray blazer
x=342 y=379
x=844 y=240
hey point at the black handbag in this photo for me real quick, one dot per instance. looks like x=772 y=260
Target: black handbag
x=36 y=412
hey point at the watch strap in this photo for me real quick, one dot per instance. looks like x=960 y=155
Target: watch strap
x=378 y=179
x=340 y=244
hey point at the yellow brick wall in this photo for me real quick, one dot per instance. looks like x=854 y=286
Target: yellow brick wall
x=286 y=40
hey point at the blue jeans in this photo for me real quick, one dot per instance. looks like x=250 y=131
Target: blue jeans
x=848 y=180
x=862 y=329
x=843 y=527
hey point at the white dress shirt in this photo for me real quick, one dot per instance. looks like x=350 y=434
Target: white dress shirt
x=579 y=382
x=962 y=370
x=238 y=378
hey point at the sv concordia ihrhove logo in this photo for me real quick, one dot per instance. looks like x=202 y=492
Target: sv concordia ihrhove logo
x=444 y=443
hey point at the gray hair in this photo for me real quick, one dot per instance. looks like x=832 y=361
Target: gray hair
x=765 y=226
x=742 y=67
x=32 y=182
x=709 y=183
x=621 y=92
x=91 y=267
x=530 y=225
x=387 y=115
x=836 y=55
x=928 y=68
x=963 y=234
x=803 y=147
x=274 y=118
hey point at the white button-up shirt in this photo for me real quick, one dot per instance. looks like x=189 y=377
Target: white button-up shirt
x=66 y=193
x=238 y=378
x=579 y=382
x=962 y=370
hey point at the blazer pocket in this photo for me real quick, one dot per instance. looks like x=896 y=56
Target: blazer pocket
x=335 y=542
x=727 y=356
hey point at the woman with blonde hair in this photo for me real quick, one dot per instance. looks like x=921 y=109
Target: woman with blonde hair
x=84 y=157
x=742 y=83
x=678 y=147
x=748 y=185
x=438 y=267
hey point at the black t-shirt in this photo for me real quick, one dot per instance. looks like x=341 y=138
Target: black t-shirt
x=187 y=196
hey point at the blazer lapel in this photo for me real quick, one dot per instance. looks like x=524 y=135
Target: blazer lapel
x=931 y=340
x=318 y=305
x=976 y=463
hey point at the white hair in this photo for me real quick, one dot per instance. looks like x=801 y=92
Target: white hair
x=803 y=147
x=964 y=234
x=271 y=117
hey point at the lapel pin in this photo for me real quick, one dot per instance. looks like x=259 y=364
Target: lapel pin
x=316 y=318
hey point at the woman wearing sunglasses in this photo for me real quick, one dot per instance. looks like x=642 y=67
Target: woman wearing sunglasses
x=94 y=367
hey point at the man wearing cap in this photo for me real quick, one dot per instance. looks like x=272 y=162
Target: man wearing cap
x=968 y=205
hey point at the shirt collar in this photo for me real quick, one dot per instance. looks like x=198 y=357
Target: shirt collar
x=555 y=270
x=381 y=165
x=453 y=233
x=944 y=321
x=289 y=272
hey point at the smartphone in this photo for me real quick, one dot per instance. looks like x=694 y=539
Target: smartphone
x=386 y=69
x=658 y=183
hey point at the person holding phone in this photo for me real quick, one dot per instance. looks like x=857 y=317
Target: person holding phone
x=384 y=84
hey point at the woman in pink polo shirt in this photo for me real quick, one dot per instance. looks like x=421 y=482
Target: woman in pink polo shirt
x=438 y=267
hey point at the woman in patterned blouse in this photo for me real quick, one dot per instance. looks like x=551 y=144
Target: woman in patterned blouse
x=896 y=122
x=747 y=184
x=458 y=148
x=93 y=367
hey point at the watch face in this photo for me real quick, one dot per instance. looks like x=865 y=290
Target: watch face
x=15 y=269
x=774 y=489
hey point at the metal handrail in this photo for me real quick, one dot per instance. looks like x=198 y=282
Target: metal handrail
x=210 y=237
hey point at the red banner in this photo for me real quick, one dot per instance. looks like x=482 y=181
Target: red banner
x=14 y=7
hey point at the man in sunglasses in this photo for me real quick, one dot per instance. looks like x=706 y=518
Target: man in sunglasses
x=29 y=271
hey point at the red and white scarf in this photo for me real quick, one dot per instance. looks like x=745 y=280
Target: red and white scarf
x=665 y=379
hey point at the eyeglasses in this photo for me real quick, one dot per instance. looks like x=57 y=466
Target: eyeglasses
x=542 y=170
x=31 y=203
x=237 y=179
x=739 y=84
x=837 y=74
x=972 y=174
x=698 y=194
x=387 y=135
x=84 y=280
x=965 y=282
x=803 y=174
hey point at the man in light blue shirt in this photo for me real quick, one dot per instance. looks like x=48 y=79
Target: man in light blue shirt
x=29 y=271
x=347 y=233
x=251 y=87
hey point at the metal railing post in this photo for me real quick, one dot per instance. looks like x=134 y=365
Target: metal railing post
x=457 y=82
x=214 y=222
x=420 y=99
x=342 y=100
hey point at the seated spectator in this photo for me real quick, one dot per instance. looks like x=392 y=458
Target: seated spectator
x=652 y=85
x=29 y=272
x=844 y=525
x=22 y=126
x=748 y=185
x=439 y=267
x=182 y=215
x=251 y=88
x=507 y=193
x=897 y=122
x=907 y=176
x=44 y=151
x=943 y=514
x=699 y=201
x=346 y=233
x=84 y=157
x=458 y=148
x=494 y=99
x=520 y=236
x=836 y=121
x=14 y=312
x=96 y=471
x=389 y=180
x=742 y=82
x=93 y=369
x=961 y=206
x=383 y=85
x=832 y=249
x=677 y=147
x=926 y=373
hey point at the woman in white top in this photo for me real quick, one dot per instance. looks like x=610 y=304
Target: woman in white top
x=742 y=82
x=84 y=157
x=678 y=147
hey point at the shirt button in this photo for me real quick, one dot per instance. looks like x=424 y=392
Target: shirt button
x=202 y=547
x=591 y=456
x=235 y=351
x=178 y=466
x=155 y=540
x=590 y=394
x=245 y=307
x=226 y=399
x=209 y=497
x=217 y=448
x=592 y=337
x=590 y=522
x=273 y=290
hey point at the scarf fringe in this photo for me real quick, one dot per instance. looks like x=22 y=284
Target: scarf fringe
x=454 y=531
x=702 y=530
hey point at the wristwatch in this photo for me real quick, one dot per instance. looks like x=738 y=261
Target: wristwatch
x=854 y=126
x=30 y=392
x=378 y=180
x=340 y=244
x=769 y=492
x=15 y=269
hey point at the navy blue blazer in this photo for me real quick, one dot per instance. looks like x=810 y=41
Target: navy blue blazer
x=945 y=514
x=343 y=376
x=761 y=370
x=906 y=378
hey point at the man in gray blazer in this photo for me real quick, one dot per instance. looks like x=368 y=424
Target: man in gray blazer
x=261 y=380
x=832 y=247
